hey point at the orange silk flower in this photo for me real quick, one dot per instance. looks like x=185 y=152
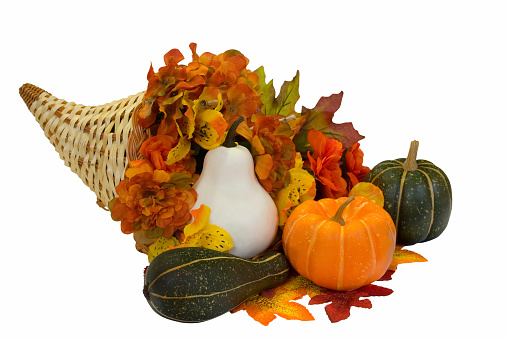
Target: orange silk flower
x=144 y=202
x=325 y=164
x=354 y=161
x=156 y=150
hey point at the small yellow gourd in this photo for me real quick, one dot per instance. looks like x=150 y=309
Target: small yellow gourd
x=239 y=204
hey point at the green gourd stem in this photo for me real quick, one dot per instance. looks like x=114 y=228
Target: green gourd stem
x=231 y=134
x=411 y=160
x=338 y=216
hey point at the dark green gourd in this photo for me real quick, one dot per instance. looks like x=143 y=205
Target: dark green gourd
x=417 y=195
x=197 y=284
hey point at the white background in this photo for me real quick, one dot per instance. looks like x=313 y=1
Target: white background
x=434 y=71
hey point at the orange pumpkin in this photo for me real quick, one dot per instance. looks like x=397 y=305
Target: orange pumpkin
x=340 y=244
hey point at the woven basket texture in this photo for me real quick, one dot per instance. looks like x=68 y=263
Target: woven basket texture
x=96 y=142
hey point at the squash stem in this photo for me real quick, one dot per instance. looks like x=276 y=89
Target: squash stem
x=338 y=216
x=231 y=134
x=411 y=161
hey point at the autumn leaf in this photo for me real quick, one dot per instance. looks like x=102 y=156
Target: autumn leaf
x=321 y=118
x=387 y=276
x=399 y=257
x=342 y=301
x=285 y=102
x=299 y=284
x=178 y=180
x=279 y=301
x=368 y=190
x=267 y=90
x=404 y=256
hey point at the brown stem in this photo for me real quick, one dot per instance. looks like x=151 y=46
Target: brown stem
x=411 y=161
x=338 y=216
x=231 y=134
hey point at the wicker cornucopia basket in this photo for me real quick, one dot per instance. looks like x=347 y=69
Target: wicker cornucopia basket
x=96 y=142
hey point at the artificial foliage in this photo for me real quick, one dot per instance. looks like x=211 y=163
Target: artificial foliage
x=189 y=109
x=298 y=156
x=282 y=300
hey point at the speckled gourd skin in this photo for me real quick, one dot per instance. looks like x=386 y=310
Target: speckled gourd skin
x=422 y=211
x=197 y=284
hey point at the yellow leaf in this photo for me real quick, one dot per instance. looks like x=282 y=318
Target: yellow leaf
x=368 y=190
x=279 y=301
x=300 y=283
x=404 y=256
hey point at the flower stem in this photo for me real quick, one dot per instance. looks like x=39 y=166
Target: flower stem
x=338 y=216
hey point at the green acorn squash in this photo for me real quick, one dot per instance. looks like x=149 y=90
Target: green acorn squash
x=417 y=195
x=191 y=284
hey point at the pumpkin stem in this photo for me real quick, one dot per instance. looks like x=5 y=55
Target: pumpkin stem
x=231 y=134
x=338 y=216
x=411 y=161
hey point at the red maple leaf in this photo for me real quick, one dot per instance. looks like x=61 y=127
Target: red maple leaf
x=342 y=301
x=280 y=301
x=387 y=276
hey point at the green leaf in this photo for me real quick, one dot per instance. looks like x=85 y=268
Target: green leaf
x=267 y=90
x=154 y=233
x=283 y=104
x=110 y=208
x=179 y=180
x=321 y=118
x=111 y=203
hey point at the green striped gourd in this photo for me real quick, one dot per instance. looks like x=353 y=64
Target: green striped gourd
x=197 y=284
x=417 y=195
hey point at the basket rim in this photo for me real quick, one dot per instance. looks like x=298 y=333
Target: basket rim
x=136 y=137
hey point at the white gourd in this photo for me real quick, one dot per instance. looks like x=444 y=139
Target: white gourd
x=238 y=203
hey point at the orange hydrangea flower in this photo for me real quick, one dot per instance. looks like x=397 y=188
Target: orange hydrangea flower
x=243 y=100
x=188 y=96
x=325 y=164
x=166 y=86
x=237 y=84
x=274 y=154
x=156 y=150
x=150 y=202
